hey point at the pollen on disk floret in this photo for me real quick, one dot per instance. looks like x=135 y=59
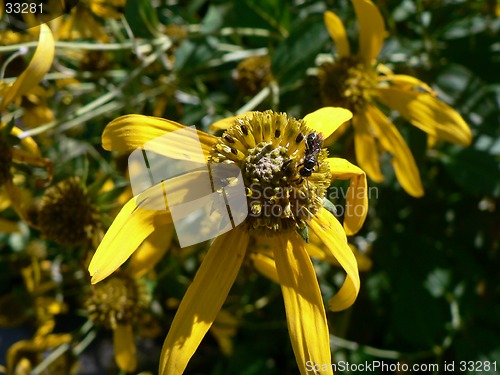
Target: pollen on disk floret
x=269 y=149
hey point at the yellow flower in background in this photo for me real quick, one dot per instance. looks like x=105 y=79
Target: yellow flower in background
x=13 y=148
x=117 y=304
x=269 y=149
x=359 y=82
x=46 y=304
x=85 y=20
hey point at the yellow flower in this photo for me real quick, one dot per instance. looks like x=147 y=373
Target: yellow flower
x=358 y=82
x=41 y=286
x=13 y=148
x=117 y=304
x=269 y=149
x=84 y=21
x=67 y=214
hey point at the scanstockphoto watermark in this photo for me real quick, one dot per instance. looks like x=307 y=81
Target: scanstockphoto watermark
x=267 y=201
x=334 y=193
x=206 y=200
x=371 y=366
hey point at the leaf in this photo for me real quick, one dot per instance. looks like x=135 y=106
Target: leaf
x=141 y=17
x=297 y=53
x=275 y=12
x=475 y=171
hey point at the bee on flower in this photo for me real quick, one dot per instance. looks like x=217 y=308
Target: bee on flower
x=270 y=149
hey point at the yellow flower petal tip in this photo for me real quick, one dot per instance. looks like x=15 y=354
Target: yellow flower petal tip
x=337 y=33
x=327 y=120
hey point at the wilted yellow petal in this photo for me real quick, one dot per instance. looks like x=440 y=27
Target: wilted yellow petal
x=327 y=119
x=131 y=132
x=37 y=68
x=151 y=251
x=329 y=230
x=356 y=207
x=366 y=149
x=124 y=346
x=337 y=32
x=428 y=113
x=371 y=29
x=203 y=300
x=403 y=161
x=129 y=229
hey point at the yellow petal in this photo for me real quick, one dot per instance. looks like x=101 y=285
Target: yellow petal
x=327 y=119
x=406 y=82
x=384 y=69
x=365 y=147
x=37 y=68
x=227 y=122
x=124 y=346
x=314 y=250
x=329 y=230
x=305 y=312
x=131 y=132
x=341 y=130
x=151 y=251
x=28 y=143
x=371 y=29
x=19 y=202
x=203 y=300
x=265 y=265
x=403 y=161
x=224 y=329
x=427 y=113
x=356 y=207
x=364 y=261
x=337 y=32
x=4 y=200
x=129 y=229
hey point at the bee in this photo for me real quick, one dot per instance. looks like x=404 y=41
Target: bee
x=314 y=141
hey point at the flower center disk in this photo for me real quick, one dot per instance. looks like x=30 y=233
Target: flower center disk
x=120 y=299
x=348 y=83
x=284 y=179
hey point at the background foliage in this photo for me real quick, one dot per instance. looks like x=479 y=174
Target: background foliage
x=432 y=293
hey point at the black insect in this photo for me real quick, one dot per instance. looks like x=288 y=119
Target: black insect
x=314 y=141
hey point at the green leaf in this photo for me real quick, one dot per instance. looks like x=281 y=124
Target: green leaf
x=275 y=12
x=297 y=53
x=141 y=17
x=476 y=171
